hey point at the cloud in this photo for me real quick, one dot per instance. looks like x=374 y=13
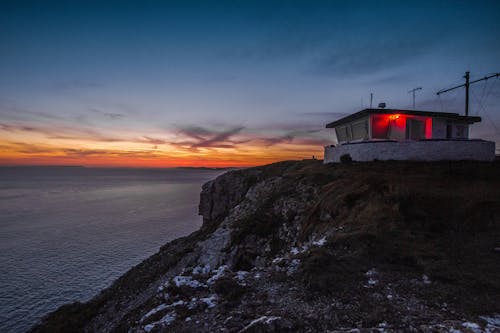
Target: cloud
x=15 y=112
x=56 y=132
x=325 y=114
x=200 y=137
x=369 y=58
x=109 y=115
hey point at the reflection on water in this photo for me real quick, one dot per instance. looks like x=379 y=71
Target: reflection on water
x=66 y=233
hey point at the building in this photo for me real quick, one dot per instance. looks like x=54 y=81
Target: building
x=388 y=134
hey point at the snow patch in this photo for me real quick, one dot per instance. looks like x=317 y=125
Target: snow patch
x=371 y=274
x=168 y=318
x=201 y=270
x=241 y=275
x=320 y=242
x=181 y=280
x=472 y=326
x=493 y=322
x=294 y=265
x=155 y=310
x=165 y=321
x=178 y=303
x=277 y=260
x=264 y=320
x=210 y=301
x=296 y=250
x=218 y=273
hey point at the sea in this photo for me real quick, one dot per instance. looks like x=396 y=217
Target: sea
x=68 y=232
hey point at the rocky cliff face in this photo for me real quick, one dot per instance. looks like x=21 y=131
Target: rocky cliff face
x=302 y=246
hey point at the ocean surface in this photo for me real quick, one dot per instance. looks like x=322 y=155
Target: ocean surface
x=68 y=232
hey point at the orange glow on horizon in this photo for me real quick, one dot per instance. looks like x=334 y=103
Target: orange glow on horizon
x=14 y=154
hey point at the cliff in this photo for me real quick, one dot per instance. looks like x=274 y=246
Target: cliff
x=302 y=246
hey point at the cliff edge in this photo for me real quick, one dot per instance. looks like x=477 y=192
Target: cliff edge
x=301 y=246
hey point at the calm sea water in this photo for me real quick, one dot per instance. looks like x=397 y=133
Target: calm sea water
x=67 y=233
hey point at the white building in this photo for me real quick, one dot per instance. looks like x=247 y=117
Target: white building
x=387 y=134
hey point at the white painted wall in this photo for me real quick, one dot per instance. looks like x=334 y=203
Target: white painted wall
x=425 y=150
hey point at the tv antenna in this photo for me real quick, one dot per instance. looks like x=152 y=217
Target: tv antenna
x=467 y=86
x=413 y=92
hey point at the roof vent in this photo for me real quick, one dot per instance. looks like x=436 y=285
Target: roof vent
x=381 y=105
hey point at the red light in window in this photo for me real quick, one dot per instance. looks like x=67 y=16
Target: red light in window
x=394 y=116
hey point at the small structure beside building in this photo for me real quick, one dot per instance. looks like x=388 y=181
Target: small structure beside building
x=389 y=134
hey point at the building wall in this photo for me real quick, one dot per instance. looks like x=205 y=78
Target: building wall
x=439 y=128
x=425 y=150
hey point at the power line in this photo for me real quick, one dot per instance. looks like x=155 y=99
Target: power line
x=412 y=91
x=467 y=86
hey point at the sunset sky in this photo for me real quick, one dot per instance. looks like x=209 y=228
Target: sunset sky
x=227 y=83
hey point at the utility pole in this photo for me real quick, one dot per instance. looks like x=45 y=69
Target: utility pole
x=371 y=100
x=413 y=92
x=467 y=86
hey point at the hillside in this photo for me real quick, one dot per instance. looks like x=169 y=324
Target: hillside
x=302 y=246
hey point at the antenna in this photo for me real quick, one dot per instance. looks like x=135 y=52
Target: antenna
x=371 y=100
x=413 y=92
x=467 y=86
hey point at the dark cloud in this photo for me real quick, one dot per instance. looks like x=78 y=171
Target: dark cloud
x=109 y=115
x=200 y=137
x=298 y=137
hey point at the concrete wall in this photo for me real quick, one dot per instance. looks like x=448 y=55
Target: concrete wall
x=425 y=150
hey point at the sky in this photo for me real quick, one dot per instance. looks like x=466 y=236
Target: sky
x=228 y=83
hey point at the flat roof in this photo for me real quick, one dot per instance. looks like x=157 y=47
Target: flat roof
x=365 y=112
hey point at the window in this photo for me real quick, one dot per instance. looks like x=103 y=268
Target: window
x=342 y=134
x=359 y=130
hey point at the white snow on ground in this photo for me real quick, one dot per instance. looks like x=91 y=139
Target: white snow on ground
x=264 y=319
x=219 y=272
x=240 y=275
x=155 y=310
x=296 y=250
x=473 y=327
x=493 y=322
x=201 y=270
x=320 y=242
x=181 y=280
x=166 y=320
x=371 y=277
x=277 y=260
x=210 y=301
x=294 y=265
x=192 y=303
x=178 y=303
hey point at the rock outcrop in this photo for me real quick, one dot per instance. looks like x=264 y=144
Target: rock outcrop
x=307 y=247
